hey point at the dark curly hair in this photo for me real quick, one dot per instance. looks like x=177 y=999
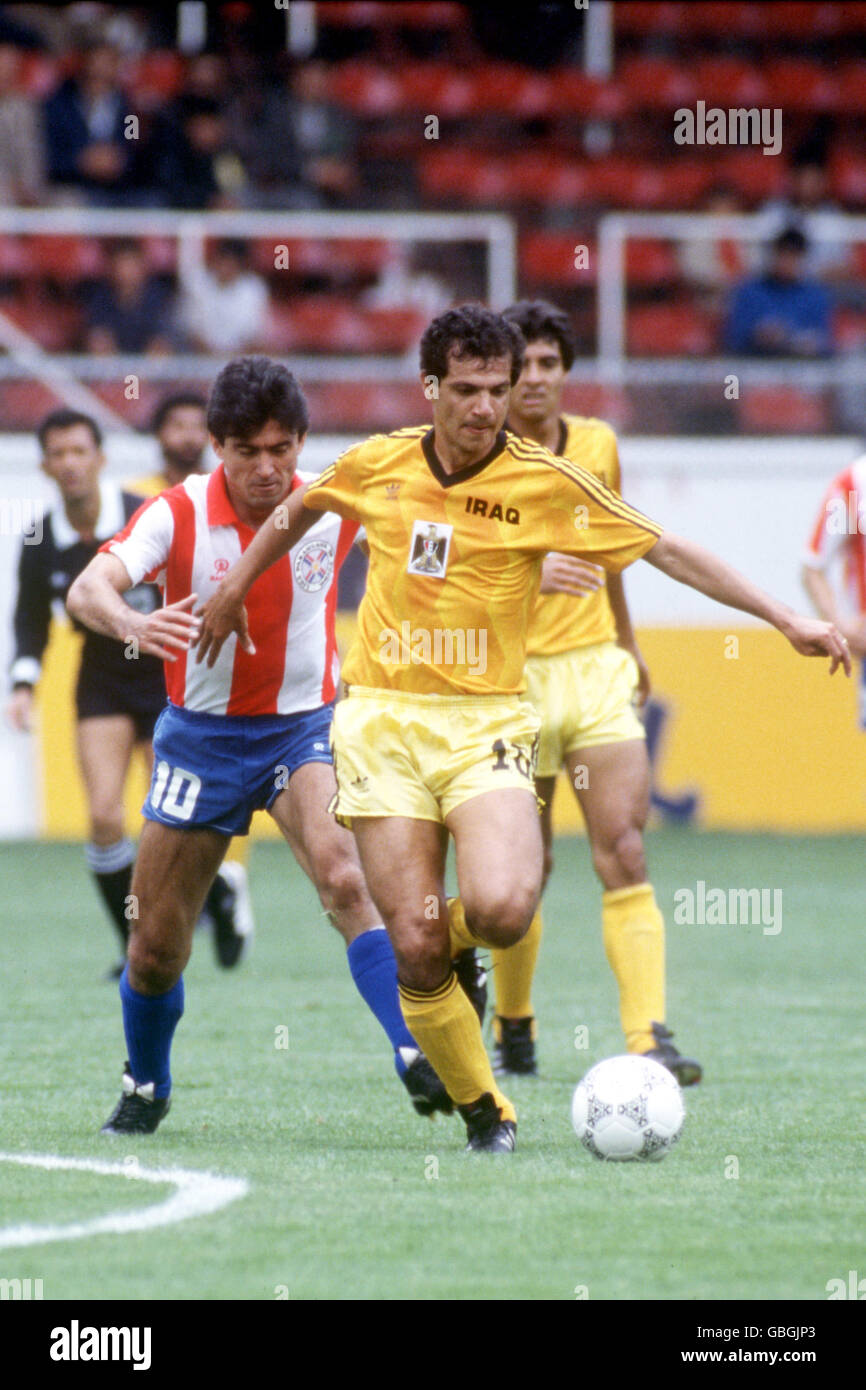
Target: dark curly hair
x=177 y=401
x=63 y=420
x=539 y=319
x=248 y=393
x=466 y=332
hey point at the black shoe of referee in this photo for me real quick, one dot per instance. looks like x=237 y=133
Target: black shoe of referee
x=138 y=1111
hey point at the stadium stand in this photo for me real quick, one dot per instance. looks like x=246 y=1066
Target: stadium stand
x=554 y=145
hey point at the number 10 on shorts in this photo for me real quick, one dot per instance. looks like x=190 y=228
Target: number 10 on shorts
x=175 y=791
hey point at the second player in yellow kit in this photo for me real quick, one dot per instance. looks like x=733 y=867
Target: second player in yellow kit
x=583 y=673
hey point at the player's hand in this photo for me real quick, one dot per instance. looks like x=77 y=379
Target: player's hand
x=811 y=637
x=854 y=633
x=19 y=709
x=565 y=574
x=166 y=631
x=222 y=615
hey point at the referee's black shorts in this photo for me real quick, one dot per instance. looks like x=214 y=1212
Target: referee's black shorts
x=141 y=700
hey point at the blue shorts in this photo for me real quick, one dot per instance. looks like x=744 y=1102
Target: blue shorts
x=861 y=696
x=214 y=770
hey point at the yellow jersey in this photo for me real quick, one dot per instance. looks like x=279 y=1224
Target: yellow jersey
x=455 y=558
x=149 y=486
x=560 y=622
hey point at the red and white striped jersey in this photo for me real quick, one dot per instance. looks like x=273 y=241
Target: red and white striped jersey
x=186 y=540
x=839 y=533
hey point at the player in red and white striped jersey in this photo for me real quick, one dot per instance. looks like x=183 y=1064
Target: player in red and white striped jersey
x=251 y=732
x=186 y=540
x=834 y=568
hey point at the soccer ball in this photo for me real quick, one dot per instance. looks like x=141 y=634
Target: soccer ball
x=628 y=1107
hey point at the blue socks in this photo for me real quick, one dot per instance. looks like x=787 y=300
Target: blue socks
x=374 y=970
x=149 y=1021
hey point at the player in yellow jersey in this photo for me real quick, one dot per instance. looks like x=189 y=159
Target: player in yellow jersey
x=433 y=737
x=180 y=427
x=584 y=670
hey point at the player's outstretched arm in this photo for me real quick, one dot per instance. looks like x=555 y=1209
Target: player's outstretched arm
x=95 y=600
x=690 y=564
x=225 y=613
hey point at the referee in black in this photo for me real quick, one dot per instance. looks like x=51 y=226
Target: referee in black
x=118 y=694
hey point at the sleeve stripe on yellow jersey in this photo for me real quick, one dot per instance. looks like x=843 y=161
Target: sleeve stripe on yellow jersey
x=326 y=476
x=527 y=451
x=603 y=496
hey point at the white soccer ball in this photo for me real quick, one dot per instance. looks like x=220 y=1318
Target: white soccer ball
x=628 y=1107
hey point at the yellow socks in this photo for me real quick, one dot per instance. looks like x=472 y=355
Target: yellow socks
x=461 y=937
x=446 y=1028
x=513 y=973
x=634 y=943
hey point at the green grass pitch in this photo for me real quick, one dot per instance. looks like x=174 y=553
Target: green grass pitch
x=353 y=1196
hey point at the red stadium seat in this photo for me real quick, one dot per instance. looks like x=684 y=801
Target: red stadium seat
x=756 y=175
x=576 y=93
x=745 y=19
x=321 y=323
x=364 y=14
x=850 y=324
x=648 y=18
x=797 y=84
x=367 y=89
x=851 y=87
x=156 y=76
x=783 y=410
x=67 y=258
x=727 y=81
x=137 y=413
x=507 y=88
x=670 y=330
x=53 y=324
x=632 y=183
x=465 y=174
x=848 y=178
x=548 y=258
x=608 y=403
x=24 y=403
x=38 y=74
x=655 y=82
x=16 y=257
x=650 y=262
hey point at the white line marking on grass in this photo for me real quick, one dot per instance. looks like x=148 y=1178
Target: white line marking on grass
x=197 y=1194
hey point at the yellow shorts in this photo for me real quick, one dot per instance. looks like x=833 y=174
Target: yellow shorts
x=397 y=754
x=583 y=698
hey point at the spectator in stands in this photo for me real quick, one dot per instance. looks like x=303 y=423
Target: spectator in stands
x=713 y=264
x=22 y=158
x=130 y=310
x=224 y=306
x=806 y=204
x=86 y=130
x=196 y=168
x=326 y=139
x=782 y=313
x=261 y=122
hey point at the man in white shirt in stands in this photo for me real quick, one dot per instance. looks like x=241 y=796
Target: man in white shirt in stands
x=224 y=306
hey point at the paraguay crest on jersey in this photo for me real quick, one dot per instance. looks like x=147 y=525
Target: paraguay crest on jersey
x=314 y=565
